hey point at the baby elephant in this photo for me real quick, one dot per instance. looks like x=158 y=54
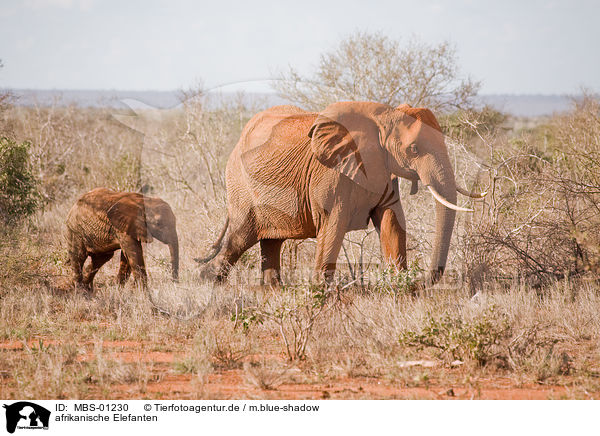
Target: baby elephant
x=103 y=221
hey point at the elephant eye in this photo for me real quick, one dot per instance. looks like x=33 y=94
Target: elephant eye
x=413 y=148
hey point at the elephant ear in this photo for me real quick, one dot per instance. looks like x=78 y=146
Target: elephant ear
x=128 y=215
x=422 y=114
x=344 y=139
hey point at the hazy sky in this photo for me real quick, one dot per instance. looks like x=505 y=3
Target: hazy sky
x=518 y=46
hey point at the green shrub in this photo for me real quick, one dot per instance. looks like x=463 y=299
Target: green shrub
x=19 y=195
x=456 y=338
x=397 y=282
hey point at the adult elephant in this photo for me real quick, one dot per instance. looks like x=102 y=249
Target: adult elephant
x=295 y=175
x=102 y=221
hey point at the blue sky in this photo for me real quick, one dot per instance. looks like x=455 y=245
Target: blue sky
x=546 y=47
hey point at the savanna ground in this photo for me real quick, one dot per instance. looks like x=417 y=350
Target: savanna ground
x=529 y=253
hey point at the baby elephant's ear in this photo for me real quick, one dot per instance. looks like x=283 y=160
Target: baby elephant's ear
x=128 y=215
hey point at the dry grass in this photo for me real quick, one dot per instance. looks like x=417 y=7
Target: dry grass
x=72 y=342
x=57 y=343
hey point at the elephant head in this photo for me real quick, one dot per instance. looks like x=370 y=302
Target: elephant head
x=371 y=142
x=146 y=218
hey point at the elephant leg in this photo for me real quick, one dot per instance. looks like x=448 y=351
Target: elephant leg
x=98 y=259
x=390 y=225
x=329 y=243
x=77 y=255
x=124 y=270
x=270 y=252
x=135 y=258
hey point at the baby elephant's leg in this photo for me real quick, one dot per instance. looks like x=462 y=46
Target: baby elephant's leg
x=98 y=259
x=124 y=270
x=135 y=256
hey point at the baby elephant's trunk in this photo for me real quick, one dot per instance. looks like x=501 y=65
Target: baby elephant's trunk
x=174 y=250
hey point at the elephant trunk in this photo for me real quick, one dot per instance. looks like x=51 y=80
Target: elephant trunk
x=444 y=224
x=443 y=184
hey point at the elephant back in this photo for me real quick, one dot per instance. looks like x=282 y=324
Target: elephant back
x=88 y=220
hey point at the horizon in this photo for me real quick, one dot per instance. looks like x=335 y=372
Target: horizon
x=479 y=94
x=520 y=105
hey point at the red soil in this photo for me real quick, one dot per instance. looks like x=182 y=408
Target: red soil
x=164 y=382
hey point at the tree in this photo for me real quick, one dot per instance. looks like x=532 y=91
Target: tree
x=376 y=68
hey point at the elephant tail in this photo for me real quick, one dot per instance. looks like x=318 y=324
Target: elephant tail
x=216 y=247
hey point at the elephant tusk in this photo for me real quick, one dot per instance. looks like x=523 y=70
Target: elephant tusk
x=470 y=194
x=445 y=202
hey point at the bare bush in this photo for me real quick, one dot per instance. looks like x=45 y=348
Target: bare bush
x=294 y=312
x=267 y=375
x=75 y=149
x=373 y=67
x=541 y=220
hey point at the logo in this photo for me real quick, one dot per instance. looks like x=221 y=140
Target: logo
x=26 y=415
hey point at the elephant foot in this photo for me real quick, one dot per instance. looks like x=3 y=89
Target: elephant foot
x=122 y=280
x=326 y=277
x=141 y=282
x=86 y=289
x=271 y=277
x=434 y=276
